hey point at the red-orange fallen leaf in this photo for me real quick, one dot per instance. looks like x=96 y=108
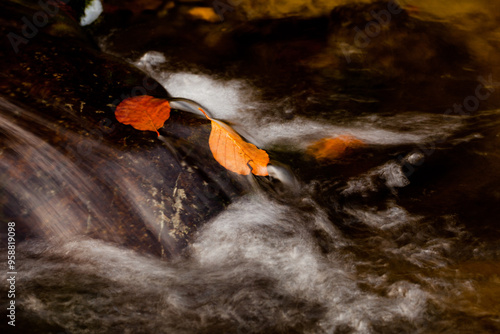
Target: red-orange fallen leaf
x=333 y=148
x=143 y=112
x=235 y=154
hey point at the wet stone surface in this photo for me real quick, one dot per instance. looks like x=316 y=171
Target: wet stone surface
x=89 y=174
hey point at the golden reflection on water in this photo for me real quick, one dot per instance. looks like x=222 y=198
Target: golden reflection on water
x=477 y=289
x=476 y=23
x=451 y=10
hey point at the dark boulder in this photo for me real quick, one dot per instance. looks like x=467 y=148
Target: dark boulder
x=68 y=168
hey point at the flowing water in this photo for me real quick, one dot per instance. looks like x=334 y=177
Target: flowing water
x=399 y=236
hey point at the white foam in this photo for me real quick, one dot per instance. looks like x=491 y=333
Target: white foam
x=256 y=260
x=254 y=231
x=150 y=60
x=225 y=99
x=229 y=100
x=239 y=103
x=92 y=12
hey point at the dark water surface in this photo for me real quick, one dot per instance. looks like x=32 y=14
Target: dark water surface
x=400 y=235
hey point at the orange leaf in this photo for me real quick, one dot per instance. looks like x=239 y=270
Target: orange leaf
x=235 y=154
x=143 y=112
x=333 y=148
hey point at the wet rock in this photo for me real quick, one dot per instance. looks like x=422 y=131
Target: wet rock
x=68 y=168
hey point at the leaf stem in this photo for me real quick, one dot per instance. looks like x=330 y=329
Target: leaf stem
x=182 y=99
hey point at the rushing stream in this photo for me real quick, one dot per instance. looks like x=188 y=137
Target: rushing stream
x=399 y=235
